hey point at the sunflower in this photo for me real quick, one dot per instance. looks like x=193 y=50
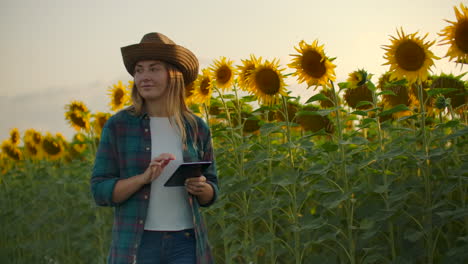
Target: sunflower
x=79 y=143
x=32 y=150
x=14 y=136
x=77 y=114
x=53 y=147
x=358 y=90
x=401 y=91
x=267 y=82
x=223 y=73
x=292 y=108
x=251 y=124
x=458 y=97
x=409 y=57
x=329 y=94
x=203 y=88
x=76 y=106
x=456 y=35
x=78 y=120
x=32 y=136
x=5 y=165
x=100 y=119
x=11 y=150
x=313 y=122
x=311 y=64
x=246 y=69
x=119 y=96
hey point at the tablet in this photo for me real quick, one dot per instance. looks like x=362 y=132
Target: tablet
x=187 y=170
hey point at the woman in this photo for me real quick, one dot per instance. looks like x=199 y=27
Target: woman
x=141 y=147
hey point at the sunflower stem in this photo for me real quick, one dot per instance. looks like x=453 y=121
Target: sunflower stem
x=342 y=173
x=295 y=209
x=426 y=176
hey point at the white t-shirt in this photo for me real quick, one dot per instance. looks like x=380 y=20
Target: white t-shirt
x=168 y=208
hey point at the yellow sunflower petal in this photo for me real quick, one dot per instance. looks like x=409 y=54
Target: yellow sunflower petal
x=14 y=136
x=223 y=73
x=203 y=88
x=456 y=35
x=312 y=65
x=119 y=95
x=53 y=147
x=409 y=57
x=246 y=69
x=266 y=81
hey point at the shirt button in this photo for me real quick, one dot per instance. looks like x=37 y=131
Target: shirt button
x=147 y=148
x=136 y=245
x=146 y=197
x=146 y=130
x=141 y=222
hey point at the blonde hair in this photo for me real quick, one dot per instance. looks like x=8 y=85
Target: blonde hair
x=175 y=105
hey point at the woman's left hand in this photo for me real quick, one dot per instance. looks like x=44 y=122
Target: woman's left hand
x=200 y=188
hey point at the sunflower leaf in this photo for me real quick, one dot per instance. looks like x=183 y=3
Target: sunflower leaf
x=361 y=103
x=436 y=91
x=359 y=112
x=386 y=93
x=398 y=108
x=343 y=85
x=317 y=97
x=371 y=86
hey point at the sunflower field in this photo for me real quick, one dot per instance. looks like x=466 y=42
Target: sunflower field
x=371 y=170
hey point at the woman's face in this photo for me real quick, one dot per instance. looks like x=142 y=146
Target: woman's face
x=151 y=79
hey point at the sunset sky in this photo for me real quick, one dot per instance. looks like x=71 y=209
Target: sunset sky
x=53 y=52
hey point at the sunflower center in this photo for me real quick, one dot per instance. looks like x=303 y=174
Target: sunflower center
x=268 y=81
x=118 y=95
x=204 y=86
x=31 y=148
x=15 y=138
x=78 y=120
x=37 y=138
x=12 y=152
x=223 y=74
x=313 y=64
x=461 y=35
x=410 y=56
x=102 y=121
x=51 y=147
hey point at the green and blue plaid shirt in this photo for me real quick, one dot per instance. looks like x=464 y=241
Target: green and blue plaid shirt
x=125 y=151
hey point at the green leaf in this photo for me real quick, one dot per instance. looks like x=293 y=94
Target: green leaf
x=366 y=223
x=386 y=92
x=359 y=112
x=249 y=98
x=329 y=146
x=318 y=97
x=361 y=103
x=413 y=235
x=371 y=86
x=343 y=85
x=354 y=140
x=435 y=91
x=398 y=108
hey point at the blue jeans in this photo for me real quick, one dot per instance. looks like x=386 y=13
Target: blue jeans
x=171 y=247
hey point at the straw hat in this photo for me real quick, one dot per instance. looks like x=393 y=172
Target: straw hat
x=156 y=46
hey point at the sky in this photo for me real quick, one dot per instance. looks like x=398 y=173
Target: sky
x=56 y=51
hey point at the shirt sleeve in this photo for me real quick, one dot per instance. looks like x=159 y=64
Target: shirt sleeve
x=208 y=154
x=105 y=172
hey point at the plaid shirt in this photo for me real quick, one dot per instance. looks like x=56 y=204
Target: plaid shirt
x=125 y=151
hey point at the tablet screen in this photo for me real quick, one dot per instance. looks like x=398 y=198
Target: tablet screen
x=187 y=170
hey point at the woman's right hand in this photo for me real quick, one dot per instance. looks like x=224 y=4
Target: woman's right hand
x=155 y=167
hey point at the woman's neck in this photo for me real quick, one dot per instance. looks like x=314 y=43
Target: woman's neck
x=156 y=109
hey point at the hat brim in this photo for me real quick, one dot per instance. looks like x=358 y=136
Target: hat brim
x=176 y=55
